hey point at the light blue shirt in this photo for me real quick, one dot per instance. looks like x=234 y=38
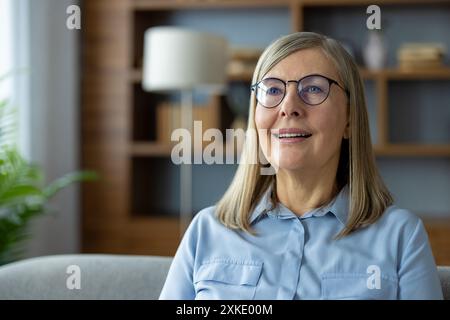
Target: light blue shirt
x=295 y=257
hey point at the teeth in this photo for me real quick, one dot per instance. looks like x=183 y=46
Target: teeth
x=292 y=135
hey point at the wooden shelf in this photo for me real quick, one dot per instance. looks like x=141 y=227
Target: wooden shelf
x=208 y=4
x=152 y=235
x=135 y=75
x=388 y=74
x=400 y=74
x=245 y=76
x=223 y=4
x=413 y=150
x=150 y=149
x=331 y=3
x=438 y=230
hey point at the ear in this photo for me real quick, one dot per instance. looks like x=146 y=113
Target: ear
x=347 y=132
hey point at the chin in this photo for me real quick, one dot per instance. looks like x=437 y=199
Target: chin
x=289 y=159
x=291 y=165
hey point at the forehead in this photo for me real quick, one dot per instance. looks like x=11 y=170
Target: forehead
x=302 y=63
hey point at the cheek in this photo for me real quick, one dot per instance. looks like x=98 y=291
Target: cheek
x=332 y=124
x=264 y=120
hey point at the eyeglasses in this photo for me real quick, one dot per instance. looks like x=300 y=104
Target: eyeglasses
x=312 y=89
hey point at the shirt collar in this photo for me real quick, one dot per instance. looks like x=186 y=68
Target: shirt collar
x=338 y=207
x=263 y=206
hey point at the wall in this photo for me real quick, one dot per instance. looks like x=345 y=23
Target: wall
x=49 y=113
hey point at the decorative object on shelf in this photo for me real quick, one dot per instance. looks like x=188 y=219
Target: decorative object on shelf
x=182 y=60
x=413 y=56
x=243 y=62
x=375 y=51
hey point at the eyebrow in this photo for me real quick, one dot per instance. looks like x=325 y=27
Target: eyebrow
x=298 y=78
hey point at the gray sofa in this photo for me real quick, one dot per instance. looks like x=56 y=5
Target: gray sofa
x=101 y=276
x=98 y=276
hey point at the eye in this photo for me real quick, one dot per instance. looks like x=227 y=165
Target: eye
x=312 y=89
x=273 y=91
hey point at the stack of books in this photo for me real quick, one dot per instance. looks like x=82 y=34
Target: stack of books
x=168 y=119
x=421 y=55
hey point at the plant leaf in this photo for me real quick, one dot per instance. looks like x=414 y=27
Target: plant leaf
x=68 y=179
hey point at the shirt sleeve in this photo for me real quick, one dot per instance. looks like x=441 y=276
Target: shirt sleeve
x=418 y=276
x=179 y=282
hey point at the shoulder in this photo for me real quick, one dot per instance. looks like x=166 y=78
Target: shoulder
x=405 y=217
x=205 y=223
x=206 y=235
x=400 y=223
x=401 y=217
x=206 y=216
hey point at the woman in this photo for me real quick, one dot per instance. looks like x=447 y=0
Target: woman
x=324 y=225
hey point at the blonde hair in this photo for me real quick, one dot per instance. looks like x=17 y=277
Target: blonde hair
x=368 y=196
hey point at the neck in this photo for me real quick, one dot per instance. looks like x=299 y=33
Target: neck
x=304 y=190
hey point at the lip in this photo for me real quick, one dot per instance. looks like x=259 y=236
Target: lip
x=277 y=132
x=290 y=130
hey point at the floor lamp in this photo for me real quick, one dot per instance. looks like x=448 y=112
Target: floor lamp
x=183 y=60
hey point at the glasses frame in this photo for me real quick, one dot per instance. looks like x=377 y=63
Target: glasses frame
x=254 y=87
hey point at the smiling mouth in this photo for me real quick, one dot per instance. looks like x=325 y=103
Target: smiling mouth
x=282 y=136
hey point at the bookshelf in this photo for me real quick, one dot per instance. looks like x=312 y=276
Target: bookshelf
x=128 y=210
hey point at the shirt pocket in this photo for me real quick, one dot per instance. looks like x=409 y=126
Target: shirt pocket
x=353 y=286
x=227 y=280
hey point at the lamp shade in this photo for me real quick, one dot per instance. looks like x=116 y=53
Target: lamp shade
x=181 y=59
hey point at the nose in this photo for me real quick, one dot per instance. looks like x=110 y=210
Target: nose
x=292 y=105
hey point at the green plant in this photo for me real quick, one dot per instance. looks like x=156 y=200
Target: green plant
x=23 y=195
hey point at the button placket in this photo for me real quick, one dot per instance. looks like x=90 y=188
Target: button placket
x=290 y=270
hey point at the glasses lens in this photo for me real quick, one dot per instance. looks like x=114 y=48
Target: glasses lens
x=314 y=89
x=270 y=92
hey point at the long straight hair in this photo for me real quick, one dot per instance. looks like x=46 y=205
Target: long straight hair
x=368 y=195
